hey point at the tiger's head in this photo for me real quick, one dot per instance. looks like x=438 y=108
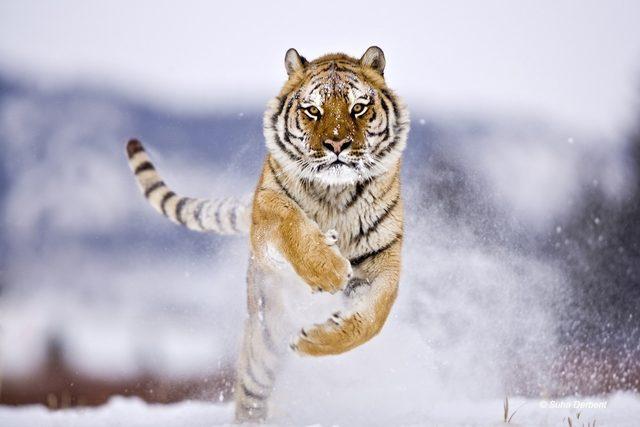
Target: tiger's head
x=335 y=121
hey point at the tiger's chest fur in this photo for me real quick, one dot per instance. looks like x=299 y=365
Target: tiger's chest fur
x=366 y=215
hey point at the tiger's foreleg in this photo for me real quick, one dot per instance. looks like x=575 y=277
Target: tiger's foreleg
x=371 y=303
x=278 y=222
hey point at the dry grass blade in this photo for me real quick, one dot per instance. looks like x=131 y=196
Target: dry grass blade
x=514 y=412
x=506 y=418
x=506 y=409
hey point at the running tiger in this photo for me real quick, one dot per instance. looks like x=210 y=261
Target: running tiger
x=326 y=216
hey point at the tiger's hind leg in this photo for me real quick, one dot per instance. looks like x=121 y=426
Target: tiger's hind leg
x=256 y=373
x=262 y=353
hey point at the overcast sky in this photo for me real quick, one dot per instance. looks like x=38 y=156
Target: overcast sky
x=574 y=62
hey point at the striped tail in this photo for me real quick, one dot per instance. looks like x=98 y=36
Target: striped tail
x=222 y=216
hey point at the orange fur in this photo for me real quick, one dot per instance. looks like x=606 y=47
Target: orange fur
x=276 y=219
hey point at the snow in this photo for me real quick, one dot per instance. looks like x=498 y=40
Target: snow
x=120 y=411
x=622 y=410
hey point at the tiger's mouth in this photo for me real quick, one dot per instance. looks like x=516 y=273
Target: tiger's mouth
x=342 y=171
x=346 y=169
x=335 y=165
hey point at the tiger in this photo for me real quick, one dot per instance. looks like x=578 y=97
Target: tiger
x=326 y=216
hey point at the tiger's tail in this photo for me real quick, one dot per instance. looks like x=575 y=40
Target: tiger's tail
x=222 y=216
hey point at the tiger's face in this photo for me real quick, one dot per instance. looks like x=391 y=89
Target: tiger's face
x=335 y=121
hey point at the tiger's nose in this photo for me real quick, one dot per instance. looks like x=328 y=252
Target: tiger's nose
x=337 y=146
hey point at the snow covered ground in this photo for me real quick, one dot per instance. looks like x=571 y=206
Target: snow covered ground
x=617 y=410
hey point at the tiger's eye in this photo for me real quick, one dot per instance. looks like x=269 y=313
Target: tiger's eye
x=357 y=108
x=314 y=110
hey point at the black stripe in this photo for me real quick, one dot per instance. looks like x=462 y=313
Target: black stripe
x=283 y=148
x=385 y=131
x=282 y=187
x=253 y=377
x=389 y=146
x=346 y=63
x=153 y=188
x=179 y=207
x=360 y=187
x=378 y=221
x=134 y=147
x=324 y=69
x=164 y=201
x=340 y=68
x=297 y=125
x=287 y=139
x=386 y=148
x=273 y=122
x=398 y=127
x=393 y=101
x=385 y=107
x=267 y=371
x=217 y=214
x=316 y=79
x=315 y=86
x=299 y=132
x=144 y=166
x=373 y=116
x=198 y=213
x=233 y=218
x=285 y=113
x=307 y=187
x=268 y=340
x=353 y=78
x=287 y=134
x=351 y=84
x=266 y=335
x=274 y=118
x=251 y=393
x=359 y=260
x=312 y=191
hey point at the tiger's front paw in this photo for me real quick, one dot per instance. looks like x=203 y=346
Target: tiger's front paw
x=321 y=265
x=335 y=336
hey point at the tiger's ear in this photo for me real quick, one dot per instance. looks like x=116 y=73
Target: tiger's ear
x=293 y=62
x=374 y=58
